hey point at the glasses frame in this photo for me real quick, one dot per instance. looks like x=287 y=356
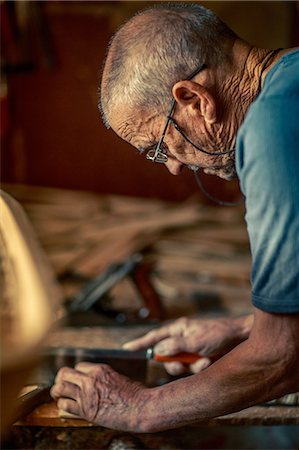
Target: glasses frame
x=157 y=154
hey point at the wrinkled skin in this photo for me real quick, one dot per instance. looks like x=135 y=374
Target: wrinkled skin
x=98 y=394
x=212 y=337
x=262 y=367
x=264 y=371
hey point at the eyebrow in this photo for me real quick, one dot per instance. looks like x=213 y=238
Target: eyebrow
x=145 y=149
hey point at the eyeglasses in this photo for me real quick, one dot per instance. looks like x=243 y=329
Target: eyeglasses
x=159 y=155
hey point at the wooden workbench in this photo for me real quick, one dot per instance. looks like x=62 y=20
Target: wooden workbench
x=44 y=428
x=201 y=266
x=47 y=415
x=114 y=337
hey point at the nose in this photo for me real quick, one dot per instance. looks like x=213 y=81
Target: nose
x=174 y=166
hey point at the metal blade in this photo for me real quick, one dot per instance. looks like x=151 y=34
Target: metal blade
x=79 y=353
x=130 y=363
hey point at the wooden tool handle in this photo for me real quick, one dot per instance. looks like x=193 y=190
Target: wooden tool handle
x=182 y=357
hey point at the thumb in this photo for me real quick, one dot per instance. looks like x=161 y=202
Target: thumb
x=176 y=368
x=200 y=365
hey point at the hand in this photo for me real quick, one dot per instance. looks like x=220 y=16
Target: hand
x=97 y=393
x=207 y=337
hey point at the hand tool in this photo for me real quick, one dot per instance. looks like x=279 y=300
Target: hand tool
x=94 y=293
x=28 y=401
x=130 y=363
x=97 y=287
x=73 y=355
x=182 y=357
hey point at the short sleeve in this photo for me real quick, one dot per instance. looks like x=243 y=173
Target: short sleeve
x=268 y=168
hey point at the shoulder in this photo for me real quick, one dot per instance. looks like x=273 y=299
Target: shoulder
x=270 y=129
x=280 y=93
x=283 y=78
x=267 y=161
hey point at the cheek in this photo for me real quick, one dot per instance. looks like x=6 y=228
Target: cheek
x=179 y=149
x=186 y=153
x=196 y=157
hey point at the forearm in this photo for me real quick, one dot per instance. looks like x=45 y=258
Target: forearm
x=261 y=368
x=235 y=382
x=250 y=374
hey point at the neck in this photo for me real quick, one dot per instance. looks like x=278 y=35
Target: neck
x=258 y=63
x=242 y=82
x=249 y=69
x=250 y=66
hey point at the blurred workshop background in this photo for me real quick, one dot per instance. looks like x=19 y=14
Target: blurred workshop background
x=51 y=130
x=119 y=261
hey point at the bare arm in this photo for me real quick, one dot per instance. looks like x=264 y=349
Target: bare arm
x=263 y=367
x=260 y=369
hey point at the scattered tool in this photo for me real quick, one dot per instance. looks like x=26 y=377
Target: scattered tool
x=94 y=293
x=75 y=355
x=130 y=363
x=28 y=401
x=96 y=288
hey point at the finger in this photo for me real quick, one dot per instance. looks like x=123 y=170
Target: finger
x=69 y=406
x=88 y=367
x=176 y=368
x=64 y=389
x=200 y=365
x=70 y=375
x=148 y=340
x=171 y=346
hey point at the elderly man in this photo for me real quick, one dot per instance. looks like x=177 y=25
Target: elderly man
x=184 y=90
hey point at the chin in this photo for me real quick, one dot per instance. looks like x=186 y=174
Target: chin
x=227 y=173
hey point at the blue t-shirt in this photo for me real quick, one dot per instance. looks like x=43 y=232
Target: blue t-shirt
x=267 y=162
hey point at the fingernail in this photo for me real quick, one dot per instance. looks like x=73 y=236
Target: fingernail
x=127 y=345
x=175 y=369
x=161 y=349
x=200 y=365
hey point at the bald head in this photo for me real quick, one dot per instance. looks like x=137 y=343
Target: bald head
x=155 y=49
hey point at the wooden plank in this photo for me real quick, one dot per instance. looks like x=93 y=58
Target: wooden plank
x=184 y=296
x=47 y=415
x=233 y=270
x=199 y=247
x=120 y=241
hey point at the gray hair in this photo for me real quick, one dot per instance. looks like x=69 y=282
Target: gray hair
x=158 y=47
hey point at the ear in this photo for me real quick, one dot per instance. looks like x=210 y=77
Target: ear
x=196 y=98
